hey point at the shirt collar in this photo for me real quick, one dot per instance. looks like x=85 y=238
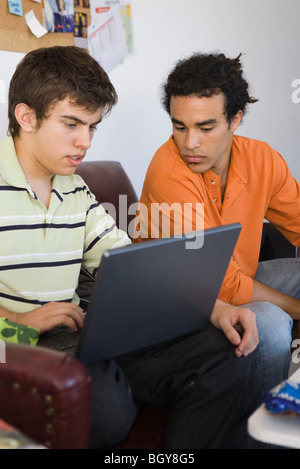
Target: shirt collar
x=237 y=162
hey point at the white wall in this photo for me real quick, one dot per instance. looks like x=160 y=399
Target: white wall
x=266 y=31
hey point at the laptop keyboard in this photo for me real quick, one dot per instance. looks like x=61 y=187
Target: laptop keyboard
x=60 y=338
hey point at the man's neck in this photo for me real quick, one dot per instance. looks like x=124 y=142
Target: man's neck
x=39 y=180
x=42 y=191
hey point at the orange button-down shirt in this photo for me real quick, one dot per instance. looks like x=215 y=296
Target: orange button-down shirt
x=259 y=186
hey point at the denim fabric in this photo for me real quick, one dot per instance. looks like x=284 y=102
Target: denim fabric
x=210 y=392
x=203 y=382
x=272 y=357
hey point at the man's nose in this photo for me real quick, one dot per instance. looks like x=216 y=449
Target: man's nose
x=192 y=140
x=83 y=138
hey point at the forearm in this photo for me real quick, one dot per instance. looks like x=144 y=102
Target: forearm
x=10 y=315
x=289 y=304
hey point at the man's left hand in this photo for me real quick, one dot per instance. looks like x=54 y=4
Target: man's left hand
x=238 y=324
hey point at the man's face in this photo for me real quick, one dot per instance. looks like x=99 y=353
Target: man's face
x=60 y=143
x=202 y=133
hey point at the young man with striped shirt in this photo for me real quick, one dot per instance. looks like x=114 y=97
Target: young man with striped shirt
x=51 y=226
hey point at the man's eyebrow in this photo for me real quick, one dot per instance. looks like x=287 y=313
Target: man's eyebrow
x=199 y=124
x=80 y=121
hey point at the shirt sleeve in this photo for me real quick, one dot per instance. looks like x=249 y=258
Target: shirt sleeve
x=101 y=234
x=284 y=205
x=237 y=287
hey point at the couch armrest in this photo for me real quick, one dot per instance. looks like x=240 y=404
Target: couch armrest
x=46 y=395
x=274 y=245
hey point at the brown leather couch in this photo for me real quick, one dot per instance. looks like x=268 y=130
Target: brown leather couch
x=46 y=394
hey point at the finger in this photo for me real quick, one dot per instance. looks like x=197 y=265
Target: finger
x=250 y=336
x=76 y=315
x=248 y=343
x=68 y=314
x=69 y=322
x=70 y=309
x=231 y=333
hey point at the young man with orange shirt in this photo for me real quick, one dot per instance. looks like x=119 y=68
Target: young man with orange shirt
x=236 y=178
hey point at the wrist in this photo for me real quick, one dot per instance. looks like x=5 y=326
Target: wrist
x=10 y=315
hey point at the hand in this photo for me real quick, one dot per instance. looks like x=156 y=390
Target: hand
x=234 y=319
x=53 y=314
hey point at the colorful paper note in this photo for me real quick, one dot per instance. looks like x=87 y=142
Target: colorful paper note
x=15 y=7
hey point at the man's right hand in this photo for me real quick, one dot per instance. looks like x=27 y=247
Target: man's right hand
x=50 y=315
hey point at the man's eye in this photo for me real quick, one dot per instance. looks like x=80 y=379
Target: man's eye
x=181 y=129
x=206 y=129
x=93 y=128
x=70 y=125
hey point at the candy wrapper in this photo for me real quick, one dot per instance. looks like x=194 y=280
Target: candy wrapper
x=284 y=399
x=11 y=438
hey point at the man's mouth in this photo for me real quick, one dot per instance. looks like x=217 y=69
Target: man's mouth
x=76 y=160
x=193 y=158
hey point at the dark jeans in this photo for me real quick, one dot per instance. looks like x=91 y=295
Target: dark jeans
x=207 y=387
x=209 y=390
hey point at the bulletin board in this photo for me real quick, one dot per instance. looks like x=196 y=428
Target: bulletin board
x=16 y=36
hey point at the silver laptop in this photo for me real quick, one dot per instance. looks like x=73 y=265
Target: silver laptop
x=153 y=292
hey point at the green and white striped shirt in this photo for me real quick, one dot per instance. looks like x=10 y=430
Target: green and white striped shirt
x=42 y=250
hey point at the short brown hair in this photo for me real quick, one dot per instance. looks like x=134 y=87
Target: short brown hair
x=47 y=75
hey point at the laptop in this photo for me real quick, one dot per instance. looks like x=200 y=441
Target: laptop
x=153 y=292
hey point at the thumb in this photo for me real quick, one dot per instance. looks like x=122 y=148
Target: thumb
x=231 y=333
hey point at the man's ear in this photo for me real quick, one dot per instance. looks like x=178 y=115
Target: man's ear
x=236 y=120
x=25 y=117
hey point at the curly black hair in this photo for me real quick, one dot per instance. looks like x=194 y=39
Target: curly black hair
x=204 y=75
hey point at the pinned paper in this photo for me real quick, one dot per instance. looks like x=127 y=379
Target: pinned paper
x=106 y=39
x=15 y=7
x=98 y=7
x=34 y=25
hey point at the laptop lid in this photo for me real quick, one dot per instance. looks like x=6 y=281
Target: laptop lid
x=155 y=291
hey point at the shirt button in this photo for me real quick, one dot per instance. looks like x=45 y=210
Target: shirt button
x=212 y=181
x=215 y=200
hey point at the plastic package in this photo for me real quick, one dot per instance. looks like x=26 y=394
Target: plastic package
x=284 y=399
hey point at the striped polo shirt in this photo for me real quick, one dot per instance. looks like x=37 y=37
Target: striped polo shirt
x=42 y=250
